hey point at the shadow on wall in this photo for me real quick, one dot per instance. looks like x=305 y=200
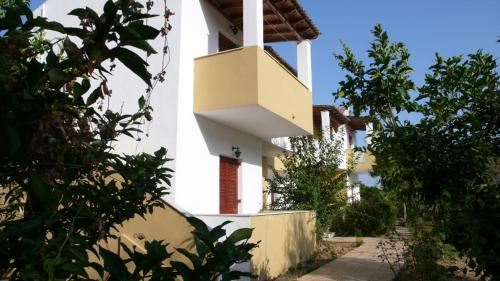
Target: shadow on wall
x=286 y=240
x=167 y=224
x=216 y=23
x=220 y=139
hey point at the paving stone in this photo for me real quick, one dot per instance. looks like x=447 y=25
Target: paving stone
x=360 y=264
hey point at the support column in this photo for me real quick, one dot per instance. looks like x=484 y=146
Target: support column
x=304 y=63
x=344 y=136
x=325 y=125
x=253 y=23
x=344 y=139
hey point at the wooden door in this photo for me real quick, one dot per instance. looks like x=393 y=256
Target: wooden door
x=228 y=185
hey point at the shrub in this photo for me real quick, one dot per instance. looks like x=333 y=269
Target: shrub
x=313 y=179
x=374 y=215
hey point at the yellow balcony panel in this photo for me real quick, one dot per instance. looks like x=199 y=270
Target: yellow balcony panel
x=251 y=91
x=365 y=161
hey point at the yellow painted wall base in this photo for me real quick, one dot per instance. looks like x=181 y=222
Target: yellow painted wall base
x=286 y=239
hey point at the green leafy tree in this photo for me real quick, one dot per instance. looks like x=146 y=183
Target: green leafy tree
x=63 y=187
x=443 y=166
x=311 y=180
x=375 y=214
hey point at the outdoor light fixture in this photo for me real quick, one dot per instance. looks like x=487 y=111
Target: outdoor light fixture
x=236 y=151
x=234 y=28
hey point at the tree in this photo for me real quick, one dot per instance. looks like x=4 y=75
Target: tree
x=63 y=186
x=444 y=165
x=374 y=215
x=312 y=179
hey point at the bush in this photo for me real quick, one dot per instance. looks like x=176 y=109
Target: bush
x=313 y=179
x=374 y=215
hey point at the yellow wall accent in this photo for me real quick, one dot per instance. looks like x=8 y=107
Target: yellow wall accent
x=166 y=224
x=251 y=77
x=365 y=161
x=287 y=239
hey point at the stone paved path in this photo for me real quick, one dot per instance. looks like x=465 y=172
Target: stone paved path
x=360 y=264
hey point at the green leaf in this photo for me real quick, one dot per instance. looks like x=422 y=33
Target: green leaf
x=240 y=234
x=141 y=102
x=110 y=9
x=184 y=270
x=52 y=59
x=94 y=96
x=41 y=190
x=143 y=45
x=11 y=19
x=138 y=17
x=402 y=91
x=114 y=265
x=195 y=260
x=74 y=268
x=133 y=62
x=146 y=32
x=56 y=76
x=198 y=224
x=43 y=23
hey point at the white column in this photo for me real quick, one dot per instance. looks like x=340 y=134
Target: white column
x=369 y=131
x=253 y=23
x=349 y=190
x=344 y=138
x=325 y=125
x=304 y=63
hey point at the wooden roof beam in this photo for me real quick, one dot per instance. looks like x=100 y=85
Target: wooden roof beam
x=276 y=11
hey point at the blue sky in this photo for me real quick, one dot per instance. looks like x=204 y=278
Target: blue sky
x=450 y=27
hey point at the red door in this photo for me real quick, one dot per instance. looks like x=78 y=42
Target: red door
x=228 y=182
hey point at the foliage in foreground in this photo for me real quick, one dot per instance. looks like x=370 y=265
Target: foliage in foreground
x=312 y=181
x=375 y=214
x=63 y=188
x=443 y=166
x=414 y=257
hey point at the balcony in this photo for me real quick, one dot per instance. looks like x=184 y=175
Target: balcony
x=249 y=90
x=364 y=161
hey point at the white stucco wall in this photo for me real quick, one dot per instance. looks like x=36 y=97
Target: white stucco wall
x=200 y=142
x=127 y=87
x=195 y=143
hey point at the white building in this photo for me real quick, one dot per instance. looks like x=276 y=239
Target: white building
x=223 y=92
x=334 y=122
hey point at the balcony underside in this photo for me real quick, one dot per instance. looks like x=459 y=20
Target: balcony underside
x=255 y=120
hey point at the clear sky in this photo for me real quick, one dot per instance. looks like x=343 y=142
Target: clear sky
x=450 y=27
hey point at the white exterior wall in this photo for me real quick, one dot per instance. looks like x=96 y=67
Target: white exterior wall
x=200 y=142
x=194 y=142
x=127 y=87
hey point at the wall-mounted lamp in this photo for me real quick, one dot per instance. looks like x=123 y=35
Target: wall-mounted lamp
x=236 y=151
x=234 y=28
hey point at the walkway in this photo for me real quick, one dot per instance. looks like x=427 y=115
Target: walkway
x=360 y=264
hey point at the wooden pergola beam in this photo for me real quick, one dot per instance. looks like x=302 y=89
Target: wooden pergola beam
x=276 y=11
